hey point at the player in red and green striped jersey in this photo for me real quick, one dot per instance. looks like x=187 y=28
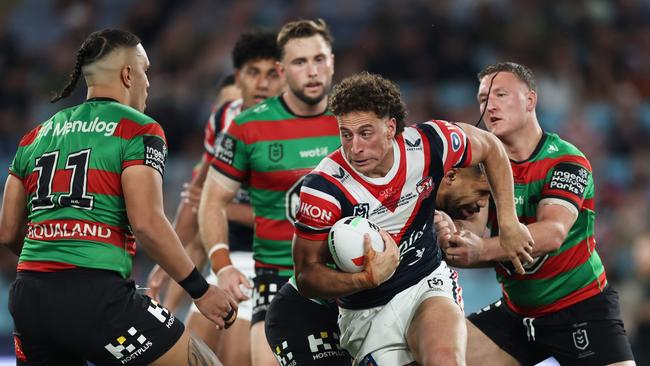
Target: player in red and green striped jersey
x=82 y=187
x=271 y=147
x=563 y=305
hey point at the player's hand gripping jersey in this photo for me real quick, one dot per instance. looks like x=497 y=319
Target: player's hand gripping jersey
x=272 y=149
x=70 y=166
x=557 y=173
x=402 y=202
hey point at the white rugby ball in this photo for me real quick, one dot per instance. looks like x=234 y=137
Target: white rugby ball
x=345 y=242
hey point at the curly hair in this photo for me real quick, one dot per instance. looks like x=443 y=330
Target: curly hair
x=366 y=92
x=255 y=45
x=302 y=29
x=522 y=72
x=95 y=47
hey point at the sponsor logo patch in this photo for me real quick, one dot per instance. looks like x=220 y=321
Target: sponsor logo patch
x=424 y=187
x=155 y=153
x=340 y=174
x=455 y=141
x=129 y=346
x=413 y=145
x=570 y=178
x=226 y=149
x=283 y=355
x=325 y=344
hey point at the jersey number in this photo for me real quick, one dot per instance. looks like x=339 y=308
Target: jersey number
x=77 y=196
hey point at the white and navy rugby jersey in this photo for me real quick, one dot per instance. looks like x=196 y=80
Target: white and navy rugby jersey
x=220 y=118
x=402 y=202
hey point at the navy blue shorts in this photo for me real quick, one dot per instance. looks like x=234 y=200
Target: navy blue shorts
x=68 y=317
x=303 y=332
x=590 y=332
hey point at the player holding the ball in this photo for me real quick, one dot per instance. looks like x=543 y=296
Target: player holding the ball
x=395 y=310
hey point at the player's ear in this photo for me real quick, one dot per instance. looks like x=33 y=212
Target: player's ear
x=391 y=128
x=279 y=67
x=126 y=77
x=531 y=101
x=450 y=176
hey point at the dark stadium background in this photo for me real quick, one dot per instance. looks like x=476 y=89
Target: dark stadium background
x=591 y=59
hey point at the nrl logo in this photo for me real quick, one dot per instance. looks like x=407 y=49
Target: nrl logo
x=361 y=210
x=276 y=152
x=580 y=339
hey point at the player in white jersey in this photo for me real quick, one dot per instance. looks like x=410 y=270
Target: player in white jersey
x=405 y=306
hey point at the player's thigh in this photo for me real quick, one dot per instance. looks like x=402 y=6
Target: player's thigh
x=482 y=351
x=188 y=350
x=261 y=353
x=235 y=345
x=303 y=332
x=437 y=333
x=201 y=327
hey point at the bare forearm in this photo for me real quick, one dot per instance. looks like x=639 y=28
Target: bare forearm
x=163 y=246
x=547 y=235
x=186 y=224
x=499 y=174
x=240 y=213
x=320 y=281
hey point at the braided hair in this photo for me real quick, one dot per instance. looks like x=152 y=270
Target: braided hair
x=96 y=46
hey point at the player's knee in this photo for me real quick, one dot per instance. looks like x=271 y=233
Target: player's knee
x=200 y=354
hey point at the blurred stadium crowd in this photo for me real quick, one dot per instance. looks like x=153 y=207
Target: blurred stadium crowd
x=591 y=59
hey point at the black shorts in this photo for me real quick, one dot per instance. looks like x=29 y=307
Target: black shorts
x=303 y=332
x=67 y=317
x=590 y=332
x=266 y=284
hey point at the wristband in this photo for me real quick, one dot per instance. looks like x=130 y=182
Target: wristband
x=216 y=247
x=194 y=284
x=219 y=256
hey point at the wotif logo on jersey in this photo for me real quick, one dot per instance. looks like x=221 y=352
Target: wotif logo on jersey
x=62 y=129
x=314 y=153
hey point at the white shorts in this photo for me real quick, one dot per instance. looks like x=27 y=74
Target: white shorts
x=379 y=333
x=244 y=262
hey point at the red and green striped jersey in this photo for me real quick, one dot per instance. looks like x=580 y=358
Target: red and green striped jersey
x=557 y=170
x=271 y=150
x=70 y=166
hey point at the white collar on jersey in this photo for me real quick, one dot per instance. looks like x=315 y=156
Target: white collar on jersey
x=391 y=173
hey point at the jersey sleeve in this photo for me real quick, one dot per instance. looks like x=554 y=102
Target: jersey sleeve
x=449 y=142
x=212 y=129
x=319 y=208
x=568 y=181
x=145 y=145
x=18 y=167
x=231 y=152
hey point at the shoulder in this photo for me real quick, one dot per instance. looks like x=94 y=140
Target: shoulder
x=267 y=110
x=127 y=112
x=564 y=151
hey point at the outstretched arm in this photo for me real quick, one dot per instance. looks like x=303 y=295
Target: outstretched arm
x=142 y=187
x=514 y=237
x=218 y=192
